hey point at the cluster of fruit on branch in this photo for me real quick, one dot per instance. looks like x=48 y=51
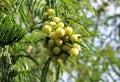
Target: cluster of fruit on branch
x=62 y=42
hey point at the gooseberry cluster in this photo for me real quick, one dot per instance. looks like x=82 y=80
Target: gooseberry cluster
x=61 y=41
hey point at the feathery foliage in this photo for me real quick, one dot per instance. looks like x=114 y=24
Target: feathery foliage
x=24 y=55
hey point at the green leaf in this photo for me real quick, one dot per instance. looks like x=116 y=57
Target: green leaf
x=57 y=66
x=45 y=70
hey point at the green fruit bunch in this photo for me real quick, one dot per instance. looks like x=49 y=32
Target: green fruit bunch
x=61 y=40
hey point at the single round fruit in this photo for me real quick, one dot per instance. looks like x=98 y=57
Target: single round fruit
x=63 y=56
x=47 y=29
x=48 y=52
x=44 y=14
x=74 y=51
x=74 y=37
x=56 y=19
x=53 y=35
x=59 y=60
x=66 y=38
x=58 y=42
x=60 y=32
x=51 y=43
x=52 y=23
x=56 y=50
x=68 y=30
x=51 y=12
x=65 y=48
x=60 y=25
x=55 y=59
x=79 y=39
x=75 y=45
x=46 y=23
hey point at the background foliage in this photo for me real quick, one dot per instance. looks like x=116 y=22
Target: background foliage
x=23 y=57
